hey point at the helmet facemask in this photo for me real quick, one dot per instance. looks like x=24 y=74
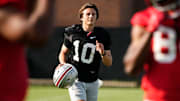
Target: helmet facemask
x=165 y=5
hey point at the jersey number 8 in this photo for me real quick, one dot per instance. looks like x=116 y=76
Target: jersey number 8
x=164 y=46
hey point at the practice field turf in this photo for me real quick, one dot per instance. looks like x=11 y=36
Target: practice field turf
x=49 y=93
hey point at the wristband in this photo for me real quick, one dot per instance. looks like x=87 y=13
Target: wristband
x=103 y=54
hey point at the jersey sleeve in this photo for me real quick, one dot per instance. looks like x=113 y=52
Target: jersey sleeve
x=140 y=18
x=19 y=4
x=106 y=40
x=67 y=38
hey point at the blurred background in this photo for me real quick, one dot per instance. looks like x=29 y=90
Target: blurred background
x=115 y=16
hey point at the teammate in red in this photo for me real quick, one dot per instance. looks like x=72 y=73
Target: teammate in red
x=20 y=25
x=155 y=45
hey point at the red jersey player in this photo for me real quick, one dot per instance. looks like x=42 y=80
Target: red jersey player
x=20 y=24
x=155 y=45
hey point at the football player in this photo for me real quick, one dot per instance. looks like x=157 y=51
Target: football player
x=20 y=25
x=155 y=45
x=85 y=46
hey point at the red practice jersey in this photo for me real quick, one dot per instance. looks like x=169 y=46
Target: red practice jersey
x=161 y=81
x=13 y=67
x=20 y=4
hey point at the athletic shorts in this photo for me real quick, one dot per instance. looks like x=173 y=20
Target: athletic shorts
x=84 y=91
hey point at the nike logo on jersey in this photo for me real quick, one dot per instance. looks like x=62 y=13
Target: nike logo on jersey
x=93 y=37
x=92 y=72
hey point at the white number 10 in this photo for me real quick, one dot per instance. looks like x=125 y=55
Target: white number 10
x=85 y=47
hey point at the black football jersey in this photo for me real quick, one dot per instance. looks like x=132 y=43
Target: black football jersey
x=83 y=54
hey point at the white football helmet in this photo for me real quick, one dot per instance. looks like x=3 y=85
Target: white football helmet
x=64 y=75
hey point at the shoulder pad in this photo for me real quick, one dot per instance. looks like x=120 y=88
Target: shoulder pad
x=73 y=28
x=99 y=28
x=140 y=18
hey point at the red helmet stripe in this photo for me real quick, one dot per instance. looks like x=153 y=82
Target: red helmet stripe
x=63 y=76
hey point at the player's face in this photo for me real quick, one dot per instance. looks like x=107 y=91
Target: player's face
x=89 y=16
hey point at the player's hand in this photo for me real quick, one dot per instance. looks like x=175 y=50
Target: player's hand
x=99 y=48
x=155 y=20
x=60 y=65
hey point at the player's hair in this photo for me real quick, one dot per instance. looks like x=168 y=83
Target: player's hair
x=148 y=2
x=88 y=5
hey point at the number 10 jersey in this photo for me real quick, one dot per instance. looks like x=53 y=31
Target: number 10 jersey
x=83 y=54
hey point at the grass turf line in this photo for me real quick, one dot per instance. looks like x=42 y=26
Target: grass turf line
x=51 y=93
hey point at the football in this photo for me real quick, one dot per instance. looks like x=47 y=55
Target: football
x=64 y=75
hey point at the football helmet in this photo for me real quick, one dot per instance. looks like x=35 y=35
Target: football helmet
x=164 y=5
x=64 y=75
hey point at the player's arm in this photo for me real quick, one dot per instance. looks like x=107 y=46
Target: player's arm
x=40 y=21
x=105 y=54
x=137 y=51
x=107 y=58
x=12 y=23
x=31 y=27
x=62 y=54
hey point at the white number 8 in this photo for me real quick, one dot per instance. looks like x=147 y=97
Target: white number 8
x=164 y=46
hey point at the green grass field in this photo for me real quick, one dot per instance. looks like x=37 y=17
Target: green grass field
x=49 y=93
